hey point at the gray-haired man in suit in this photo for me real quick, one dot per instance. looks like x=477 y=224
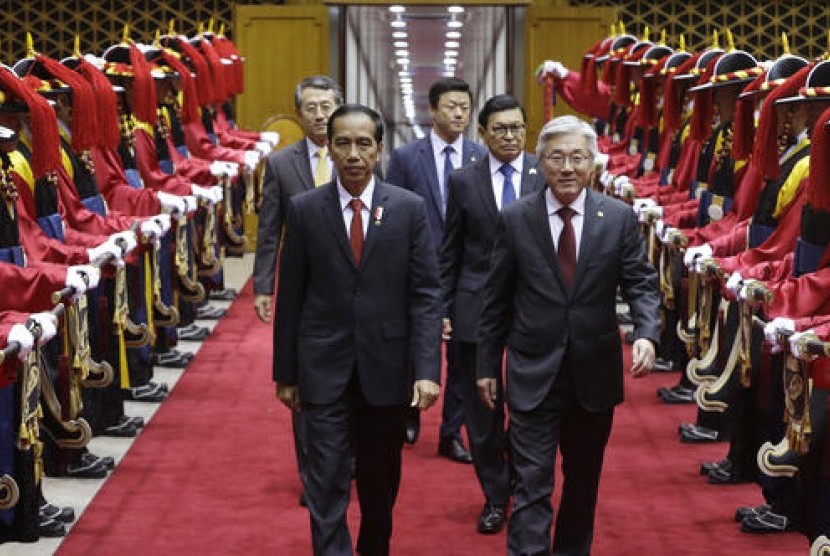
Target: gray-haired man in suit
x=550 y=299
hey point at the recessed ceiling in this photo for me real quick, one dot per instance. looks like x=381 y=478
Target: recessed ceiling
x=429 y=54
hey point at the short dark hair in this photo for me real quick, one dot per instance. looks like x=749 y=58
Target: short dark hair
x=347 y=109
x=447 y=85
x=499 y=103
x=323 y=82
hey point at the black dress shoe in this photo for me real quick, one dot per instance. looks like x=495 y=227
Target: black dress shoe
x=227 y=294
x=82 y=470
x=491 y=520
x=707 y=466
x=50 y=511
x=745 y=511
x=193 y=333
x=766 y=522
x=91 y=459
x=413 y=427
x=663 y=366
x=50 y=528
x=210 y=312
x=122 y=429
x=453 y=448
x=172 y=359
x=676 y=395
x=146 y=393
x=726 y=476
x=699 y=435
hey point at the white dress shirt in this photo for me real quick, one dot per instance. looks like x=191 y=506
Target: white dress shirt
x=556 y=223
x=346 y=208
x=497 y=178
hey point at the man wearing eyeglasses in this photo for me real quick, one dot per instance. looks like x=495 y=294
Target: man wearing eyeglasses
x=550 y=300
x=423 y=167
x=477 y=193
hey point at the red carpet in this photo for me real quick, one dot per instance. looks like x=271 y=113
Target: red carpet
x=214 y=473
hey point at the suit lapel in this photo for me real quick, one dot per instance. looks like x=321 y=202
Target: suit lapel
x=484 y=186
x=591 y=232
x=530 y=176
x=427 y=163
x=302 y=164
x=469 y=154
x=333 y=216
x=540 y=224
x=379 y=208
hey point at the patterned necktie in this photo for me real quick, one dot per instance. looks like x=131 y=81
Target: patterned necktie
x=448 y=167
x=567 y=246
x=322 y=172
x=508 y=192
x=356 y=229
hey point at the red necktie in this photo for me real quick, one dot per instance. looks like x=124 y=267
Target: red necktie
x=356 y=229
x=567 y=246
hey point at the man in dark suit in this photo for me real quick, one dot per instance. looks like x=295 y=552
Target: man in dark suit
x=477 y=193
x=558 y=259
x=358 y=325
x=296 y=168
x=423 y=167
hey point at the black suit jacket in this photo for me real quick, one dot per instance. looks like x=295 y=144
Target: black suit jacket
x=471 y=219
x=413 y=167
x=543 y=325
x=381 y=317
x=287 y=172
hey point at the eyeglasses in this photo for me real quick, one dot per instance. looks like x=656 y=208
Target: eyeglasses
x=557 y=160
x=501 y=130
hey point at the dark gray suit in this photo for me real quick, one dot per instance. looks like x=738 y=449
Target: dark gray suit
x=354 y=338
x=564 y=357
x=412 y=167
x=287 y=172
x=472 y=216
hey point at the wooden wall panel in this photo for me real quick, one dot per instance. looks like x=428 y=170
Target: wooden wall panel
x=282 y=45
x=562 y=34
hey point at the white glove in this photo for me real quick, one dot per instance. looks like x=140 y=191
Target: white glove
x=172 y=203
x=221 y=168
x=795 y=349
x=151 y=230
x=163 y=221
x=263 y=147
x=556 y=68
x=735 y=282
x=48 y=324
x=252 y=159
x=79 y=279
x=127 y=239
x=203 y=193
x=660 y=229
x=744 y=291
x=642 y=202
x=191 y=204
x=606 y=178
x=217 y=193
x=22 y=336
x=270 y=136
x=667 y=232
x=106 y=248
x=601 y=162
x=619 y=182
x=703 y=251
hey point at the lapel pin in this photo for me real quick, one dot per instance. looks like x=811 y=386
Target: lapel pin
x=532 y=171
x=472 y=158
x=378 y=215
x=600 y=214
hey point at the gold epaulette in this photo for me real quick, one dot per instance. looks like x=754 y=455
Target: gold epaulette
x=22 y=168
x=143 y=126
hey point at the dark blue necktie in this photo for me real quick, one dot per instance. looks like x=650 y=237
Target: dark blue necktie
x=508 y=193
x=448 y=167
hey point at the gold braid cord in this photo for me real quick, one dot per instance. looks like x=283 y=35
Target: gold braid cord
x=230 y=220
x=208 y=263
x=168 y=315
x=9 y=492
x=797 y=389
x=193 y=290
